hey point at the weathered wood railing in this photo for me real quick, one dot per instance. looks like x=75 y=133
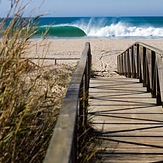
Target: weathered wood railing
x=65 y=144
x=49 y=58
x=145 y=63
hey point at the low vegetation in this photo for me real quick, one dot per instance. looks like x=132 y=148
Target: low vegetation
x=30 y=95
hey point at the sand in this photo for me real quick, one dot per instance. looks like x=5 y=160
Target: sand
x=104 y=51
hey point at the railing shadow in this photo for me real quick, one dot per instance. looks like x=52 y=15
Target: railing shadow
x=131 y=121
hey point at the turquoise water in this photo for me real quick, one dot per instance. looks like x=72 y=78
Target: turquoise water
x=61 y=31
x=103 y=27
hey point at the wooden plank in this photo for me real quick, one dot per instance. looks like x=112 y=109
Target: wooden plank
x=129 y=124
x=132 y=124
x=49 y=58
x=159 y=51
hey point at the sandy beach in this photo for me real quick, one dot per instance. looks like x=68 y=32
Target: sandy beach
x=104 y=51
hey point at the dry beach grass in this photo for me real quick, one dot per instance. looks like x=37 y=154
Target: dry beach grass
x=30 y=95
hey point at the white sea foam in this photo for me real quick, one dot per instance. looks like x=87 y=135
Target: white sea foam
x=100 y=27
x=119 y=29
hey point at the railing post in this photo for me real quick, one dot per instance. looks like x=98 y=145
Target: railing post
x=128 y=64
x=144 y=68
x=118 y=64
x=121 y=65
x=153 y=74
x=148 y=70
x=158 y=93
x=138 y=63
x=133 y=55
x=124 y=64
x=159 y=62
x=141 y=52
x=130 y=61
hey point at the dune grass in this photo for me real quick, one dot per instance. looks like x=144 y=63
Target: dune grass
x=30 y=95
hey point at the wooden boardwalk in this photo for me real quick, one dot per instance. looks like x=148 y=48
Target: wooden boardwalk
x=129 y=123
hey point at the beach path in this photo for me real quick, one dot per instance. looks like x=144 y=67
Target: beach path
x=128 y=121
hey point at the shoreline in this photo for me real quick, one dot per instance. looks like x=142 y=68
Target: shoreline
x=104 y=38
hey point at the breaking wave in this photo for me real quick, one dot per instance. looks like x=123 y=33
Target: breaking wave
x=60 y=31
x=106 y=27
x=119 y=29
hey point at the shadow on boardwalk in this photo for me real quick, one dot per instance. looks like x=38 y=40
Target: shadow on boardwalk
x=127 y=120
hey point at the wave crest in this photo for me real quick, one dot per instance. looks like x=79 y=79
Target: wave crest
x=122 y=30
x=107 y=27
x=61 y=31
x=119 y=29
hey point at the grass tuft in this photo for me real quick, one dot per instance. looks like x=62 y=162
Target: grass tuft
x=30 y=95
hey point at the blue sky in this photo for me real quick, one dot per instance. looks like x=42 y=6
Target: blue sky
x=91 y=7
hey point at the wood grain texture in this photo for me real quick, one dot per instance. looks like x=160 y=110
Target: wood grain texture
x=129 y=123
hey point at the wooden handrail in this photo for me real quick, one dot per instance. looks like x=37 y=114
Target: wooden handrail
x=64 y=145
x=50 y=58
x=144 y=62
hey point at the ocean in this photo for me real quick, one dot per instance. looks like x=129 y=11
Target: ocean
x=101 y=27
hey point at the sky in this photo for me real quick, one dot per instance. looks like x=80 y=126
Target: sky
x=91 y=8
